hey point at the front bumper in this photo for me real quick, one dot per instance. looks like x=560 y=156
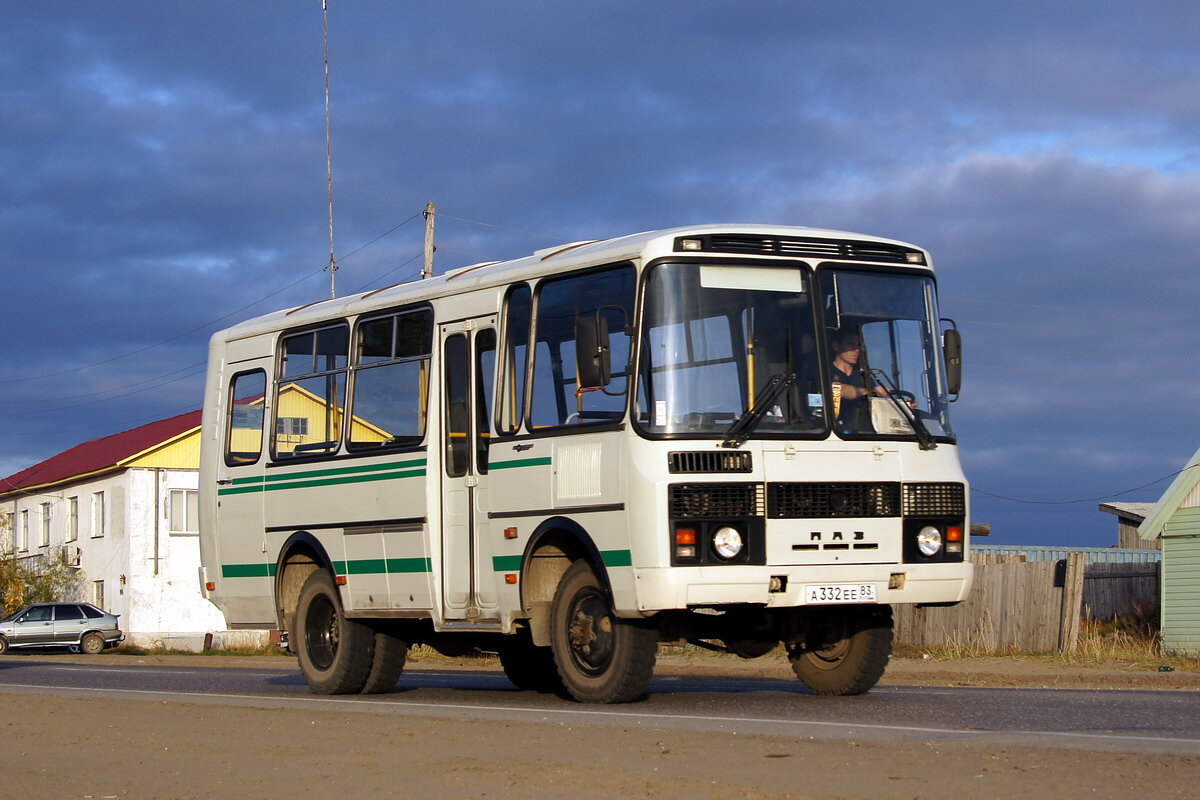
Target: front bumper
x=667 y=588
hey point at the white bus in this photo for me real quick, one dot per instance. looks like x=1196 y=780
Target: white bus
x=733 y=435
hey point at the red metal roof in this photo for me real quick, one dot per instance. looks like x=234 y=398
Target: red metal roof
x=100 y=454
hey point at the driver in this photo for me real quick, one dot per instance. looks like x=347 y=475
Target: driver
x=849 y=389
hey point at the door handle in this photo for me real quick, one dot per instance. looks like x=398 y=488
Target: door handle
x=224 y=481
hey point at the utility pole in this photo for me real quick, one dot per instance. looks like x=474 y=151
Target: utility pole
x=427 y=270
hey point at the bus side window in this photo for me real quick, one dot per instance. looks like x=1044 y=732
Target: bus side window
x=516 y=345
x=557 y=397
x=243 y=439
x=391 y=380
x=310 y=393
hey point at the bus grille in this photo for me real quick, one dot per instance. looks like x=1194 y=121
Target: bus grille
x=716 y=500
x=710 y=461
x=934 y=500
x=821 y=500
x=800 y=246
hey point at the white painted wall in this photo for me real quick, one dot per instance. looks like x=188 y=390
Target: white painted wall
x=150 y=575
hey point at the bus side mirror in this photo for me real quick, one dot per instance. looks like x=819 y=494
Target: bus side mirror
x=593 y=363
x=952 y=347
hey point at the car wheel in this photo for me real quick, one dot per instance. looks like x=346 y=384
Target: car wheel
x=601 y=658
x=3 y=645
x=336 y=653
x=91 y=643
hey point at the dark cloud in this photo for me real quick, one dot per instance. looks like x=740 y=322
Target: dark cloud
x=164 y=171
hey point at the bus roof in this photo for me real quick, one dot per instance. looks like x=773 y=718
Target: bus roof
x=548 y=261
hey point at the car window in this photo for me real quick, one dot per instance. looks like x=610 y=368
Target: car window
x=39 y=614
x=67 y=612
x=92 y=612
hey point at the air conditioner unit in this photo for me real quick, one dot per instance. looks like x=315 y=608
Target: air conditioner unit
x=71 y=555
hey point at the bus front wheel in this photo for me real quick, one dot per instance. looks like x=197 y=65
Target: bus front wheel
x=601 y=658
x=335 y=652
x=845 y=649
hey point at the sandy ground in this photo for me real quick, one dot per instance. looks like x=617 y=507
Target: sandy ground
x=93 y=749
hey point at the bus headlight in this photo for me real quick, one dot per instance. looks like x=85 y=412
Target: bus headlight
x=929 y=541
x=727 y=542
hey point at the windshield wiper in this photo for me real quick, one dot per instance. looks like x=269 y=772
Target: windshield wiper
x=924 y=437
x=744 y=425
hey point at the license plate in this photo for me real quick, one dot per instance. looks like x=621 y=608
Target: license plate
x=839 y=593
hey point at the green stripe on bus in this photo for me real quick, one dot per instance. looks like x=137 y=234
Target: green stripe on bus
x=247 y=570
x=321 y=473
x=520 y=462
x=299 y=480
x=380 y=566
x=617 y=558
x=611 y=558
x=506 y=563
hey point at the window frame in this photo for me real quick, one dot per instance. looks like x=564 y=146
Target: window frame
x=280 y=363
x=231 y=405
x=355 y=367
x=534 y=341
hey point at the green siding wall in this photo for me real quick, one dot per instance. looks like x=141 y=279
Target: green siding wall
x=1181 y=583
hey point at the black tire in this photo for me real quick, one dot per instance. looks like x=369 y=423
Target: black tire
x=601 y=658
x=336 y=653
x=845 y=650
x=388 y=664
x=92 y=643
x=3 y=645
x=529 y=667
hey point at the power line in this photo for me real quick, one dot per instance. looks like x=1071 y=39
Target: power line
x=1084 y=499
x=502 y=228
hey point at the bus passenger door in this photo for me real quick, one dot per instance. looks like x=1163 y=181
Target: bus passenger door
x=468 y=372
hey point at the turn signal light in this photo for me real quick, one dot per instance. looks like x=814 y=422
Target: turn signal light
x=685 y=536
x=211 y=586
x=954 y=534
x=510 y=578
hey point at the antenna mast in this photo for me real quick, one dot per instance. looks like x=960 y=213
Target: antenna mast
x=329 y=157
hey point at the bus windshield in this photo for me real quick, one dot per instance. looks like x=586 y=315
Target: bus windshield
x=715 y=336
x=887 y=373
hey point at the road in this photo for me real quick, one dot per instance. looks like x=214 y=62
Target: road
x=1148 y=722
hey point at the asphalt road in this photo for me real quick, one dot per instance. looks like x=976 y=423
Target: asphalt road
x=1159 y=722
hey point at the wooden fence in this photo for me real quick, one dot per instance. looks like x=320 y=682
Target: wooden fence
x=1034 y=606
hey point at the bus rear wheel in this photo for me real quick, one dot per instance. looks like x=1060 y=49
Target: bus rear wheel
x=391 y=652
x=845 y=650
x=601 y=658
x=336 y=653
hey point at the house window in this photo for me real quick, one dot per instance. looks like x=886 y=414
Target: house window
x=23 y=532
x=291 y=426
x=184 y=511
x=44 y=529
x=98 y=594
x=97 y=515
x=72 y=518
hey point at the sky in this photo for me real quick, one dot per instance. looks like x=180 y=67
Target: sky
x=163 y=169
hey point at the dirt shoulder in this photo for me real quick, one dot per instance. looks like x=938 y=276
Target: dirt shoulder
x=1016 y=671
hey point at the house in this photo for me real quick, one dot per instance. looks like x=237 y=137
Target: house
x=1129 y=517
x=1176 y=519
x=123 y=510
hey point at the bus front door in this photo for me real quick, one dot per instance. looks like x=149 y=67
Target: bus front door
x=468 y=371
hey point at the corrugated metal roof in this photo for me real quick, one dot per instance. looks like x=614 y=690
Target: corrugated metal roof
x=1124 y=555
x=100 y=455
